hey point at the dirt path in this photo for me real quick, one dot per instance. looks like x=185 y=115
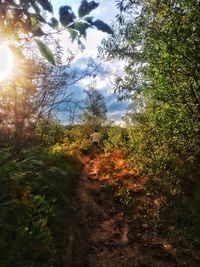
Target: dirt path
x=100 y=234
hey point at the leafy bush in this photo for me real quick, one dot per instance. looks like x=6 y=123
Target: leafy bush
x=117 y=138
x=36 y=190
x=170 y=152
x=77 y=139
x=49 y=132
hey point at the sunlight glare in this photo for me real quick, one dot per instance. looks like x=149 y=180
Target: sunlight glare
x=6 y=62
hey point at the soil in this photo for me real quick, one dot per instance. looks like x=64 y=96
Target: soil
x=102 y=235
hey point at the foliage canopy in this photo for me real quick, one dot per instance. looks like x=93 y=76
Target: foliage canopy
x=25 y=20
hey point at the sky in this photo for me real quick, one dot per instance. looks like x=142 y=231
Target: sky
x=105 y=74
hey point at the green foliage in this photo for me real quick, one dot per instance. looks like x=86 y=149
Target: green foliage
x=125 y=197
x=77 y=139
x=54 y=23
x=85 y=7
x=81 y=27
x=46 y=5
x=162 y=78
x=116 y=139
x=122 y=194
x=102 y=26
x=49 y=132
x=73 y=34
x=67 y=16
x=23 y=20
x=36 y=190
x=45 y=51
x=95 y=109
x=69 y=20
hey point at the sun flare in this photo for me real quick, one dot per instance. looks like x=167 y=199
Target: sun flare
x=6 y=62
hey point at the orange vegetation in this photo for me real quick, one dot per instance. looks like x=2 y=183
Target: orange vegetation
x=115 y=168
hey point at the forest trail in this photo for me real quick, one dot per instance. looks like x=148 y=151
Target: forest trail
x=101 y=236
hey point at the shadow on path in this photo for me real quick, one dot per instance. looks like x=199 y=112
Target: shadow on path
x=99 y=234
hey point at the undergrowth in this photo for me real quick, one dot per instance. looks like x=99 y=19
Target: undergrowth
x=36 y=189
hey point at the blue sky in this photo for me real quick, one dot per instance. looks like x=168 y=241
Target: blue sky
x=106 y=72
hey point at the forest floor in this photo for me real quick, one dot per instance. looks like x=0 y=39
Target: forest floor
x=103 y=233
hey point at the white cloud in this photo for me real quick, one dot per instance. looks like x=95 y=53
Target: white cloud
x=100 y=82
x=106 y=74
x=94 y=39
x=108 y=70
x=116 y=117
x=84 y=82
x=106 y=11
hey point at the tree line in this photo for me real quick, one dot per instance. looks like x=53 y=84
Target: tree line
x=160 y=42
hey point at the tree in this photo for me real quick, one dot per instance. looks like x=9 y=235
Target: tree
x=37 y=92
x=95 y=108
x=161 y=45
x=38 y=88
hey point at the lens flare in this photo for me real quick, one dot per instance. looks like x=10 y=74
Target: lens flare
x=6 y=62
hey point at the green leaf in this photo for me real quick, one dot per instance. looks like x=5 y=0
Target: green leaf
x=73 y=33
x=46 y=5
x=85 y=7
x=102 y=26
x=54 y=23
x=46 y=51
x=81 y=26
x=89 y=19
x=67 y=16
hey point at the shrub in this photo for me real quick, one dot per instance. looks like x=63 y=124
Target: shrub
x=36 y=191
x=117 y=138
